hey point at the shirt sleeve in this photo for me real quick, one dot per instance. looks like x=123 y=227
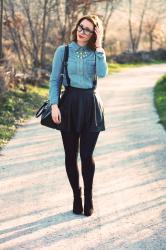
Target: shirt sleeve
x=54 y=82
x=101 y=64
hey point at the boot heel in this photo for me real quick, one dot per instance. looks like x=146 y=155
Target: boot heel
x=88 y=205
x=77 y=203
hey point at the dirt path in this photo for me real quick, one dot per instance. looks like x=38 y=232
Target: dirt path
x=130 y=213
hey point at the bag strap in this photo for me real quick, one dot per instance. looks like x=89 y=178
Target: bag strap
x=64 y=66
x=95 y=76
x=40 y=110
x=65 y=58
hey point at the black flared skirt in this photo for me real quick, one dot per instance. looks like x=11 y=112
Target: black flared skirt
x=81 y=109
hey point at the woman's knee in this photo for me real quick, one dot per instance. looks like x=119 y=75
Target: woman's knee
x=86 y=157
x=71 y=157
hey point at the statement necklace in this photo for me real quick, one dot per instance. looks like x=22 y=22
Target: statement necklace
x=81 y=54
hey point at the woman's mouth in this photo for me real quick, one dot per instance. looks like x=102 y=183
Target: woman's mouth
x=80 y=36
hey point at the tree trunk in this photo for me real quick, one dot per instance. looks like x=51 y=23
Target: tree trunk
x=1 y=24
x=42 y=58
x=151 y=40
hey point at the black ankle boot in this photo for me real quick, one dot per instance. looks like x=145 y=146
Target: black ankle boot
x=88 y=204
x=77 y=203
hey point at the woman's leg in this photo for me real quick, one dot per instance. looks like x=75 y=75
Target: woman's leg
x=71 y=144
x=87 y=144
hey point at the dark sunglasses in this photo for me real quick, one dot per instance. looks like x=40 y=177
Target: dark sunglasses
x=85 y=30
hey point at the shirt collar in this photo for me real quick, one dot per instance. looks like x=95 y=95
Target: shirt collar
x=77 y=47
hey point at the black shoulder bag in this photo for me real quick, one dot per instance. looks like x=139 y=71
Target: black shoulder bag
x=45 y=109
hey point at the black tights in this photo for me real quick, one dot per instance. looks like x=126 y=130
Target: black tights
x=71 y=146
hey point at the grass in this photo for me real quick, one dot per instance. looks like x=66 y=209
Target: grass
x=16 y=106
x=117 y=67
x=160 y=99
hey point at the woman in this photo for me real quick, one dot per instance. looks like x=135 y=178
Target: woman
x=81 y=114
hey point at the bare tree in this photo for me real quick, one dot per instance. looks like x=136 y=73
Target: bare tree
x=110 y=6
x=47 y=6
x=29 y=43
x=14 y=23
x=134 y=32
x=155 y=16
x=150 y=29
x=39 y=26
x=1 y=23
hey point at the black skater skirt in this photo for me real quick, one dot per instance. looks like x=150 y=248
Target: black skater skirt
x=81 y=110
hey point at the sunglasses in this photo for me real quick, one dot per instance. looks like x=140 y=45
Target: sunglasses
x=85 y=30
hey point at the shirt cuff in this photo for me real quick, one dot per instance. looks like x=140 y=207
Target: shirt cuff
x=100 y=54
x=100 y=50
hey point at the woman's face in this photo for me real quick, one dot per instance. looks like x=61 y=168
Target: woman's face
x=85 y=30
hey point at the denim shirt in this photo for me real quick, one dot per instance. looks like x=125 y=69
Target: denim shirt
x=80 y=66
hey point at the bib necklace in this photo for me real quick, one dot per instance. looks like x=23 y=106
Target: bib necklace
x=81 y=54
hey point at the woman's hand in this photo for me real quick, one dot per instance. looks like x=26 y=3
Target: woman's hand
x=99 y=35
x=56 y=114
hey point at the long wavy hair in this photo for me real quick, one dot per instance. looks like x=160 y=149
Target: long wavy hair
x=95 y=20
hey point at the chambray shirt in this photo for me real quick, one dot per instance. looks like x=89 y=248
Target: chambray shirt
x=80 y=66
